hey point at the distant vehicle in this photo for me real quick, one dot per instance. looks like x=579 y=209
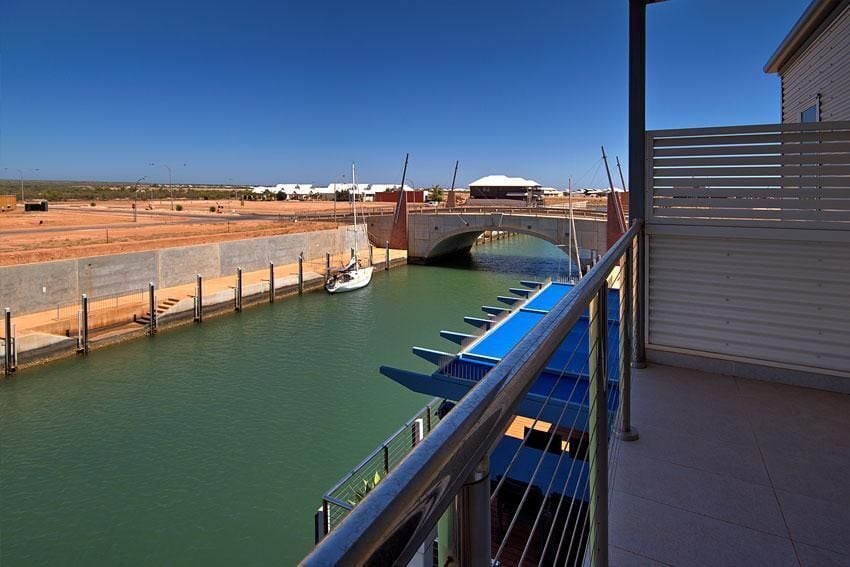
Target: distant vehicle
x=432 y=203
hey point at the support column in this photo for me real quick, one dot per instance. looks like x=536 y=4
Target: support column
x=199 y=299
x=238 y=289
x=637 y=160
x=84 y=324
x=473 y=518
x=152 y=308
x=597 y=541
x=8 y=365
x=271 y=282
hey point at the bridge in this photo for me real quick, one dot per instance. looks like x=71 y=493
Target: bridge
x=438 y=233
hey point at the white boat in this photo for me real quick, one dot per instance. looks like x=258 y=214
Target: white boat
x=352 y=276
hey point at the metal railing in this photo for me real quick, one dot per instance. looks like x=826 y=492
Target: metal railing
x=102 y=303
x=446 y=472
x=346 y=494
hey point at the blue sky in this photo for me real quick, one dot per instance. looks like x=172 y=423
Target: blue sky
x=261 y=92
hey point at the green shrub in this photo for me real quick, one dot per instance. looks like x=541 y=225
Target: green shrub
x=93 y=204
x=212 y=209
x=178 y=207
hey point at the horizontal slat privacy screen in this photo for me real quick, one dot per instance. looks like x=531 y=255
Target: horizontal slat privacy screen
x=788 y=176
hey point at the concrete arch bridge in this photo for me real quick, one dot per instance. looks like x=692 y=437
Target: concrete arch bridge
x=432 y=235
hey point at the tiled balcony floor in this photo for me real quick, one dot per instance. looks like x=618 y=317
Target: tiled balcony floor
x=732 y=472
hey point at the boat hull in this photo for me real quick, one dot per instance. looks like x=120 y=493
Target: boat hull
x=359 y=278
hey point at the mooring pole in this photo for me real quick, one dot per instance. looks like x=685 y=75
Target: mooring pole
x=7 y=343
x=327 y=265
x=199 y=298
x=301 y=273
x=152 y=308
x=84 y=323
x=239 y=289
x=370 y=254
x=387 y=262
x=271 y=282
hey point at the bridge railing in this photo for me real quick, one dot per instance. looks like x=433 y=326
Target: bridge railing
x=449 y=469
x=527 y=211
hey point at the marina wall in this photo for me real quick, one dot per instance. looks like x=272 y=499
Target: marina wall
x=28 y=288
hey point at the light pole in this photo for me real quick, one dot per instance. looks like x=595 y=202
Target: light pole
x=170 y=185
x=136 y=194
x=21 y=171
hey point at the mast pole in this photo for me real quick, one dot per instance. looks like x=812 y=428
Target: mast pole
x=354 y=208
x=570 y=243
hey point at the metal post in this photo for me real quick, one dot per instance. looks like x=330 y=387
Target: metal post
x=7 y=343
x=271 y=282
x=301 y=273
x=239 y=289
x=597 y=543
x=637 y=160
x=199 y=298
x=84 y=323
x=386 y=460
x=627 y=432
x=639 y=360
x=387 y=262
x=370 y=254
x=152 y=309
x=473 y=518
x=327 y=265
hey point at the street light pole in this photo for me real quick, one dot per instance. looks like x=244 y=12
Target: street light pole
x=170 y=184
x=136 y=195
x=21 y=171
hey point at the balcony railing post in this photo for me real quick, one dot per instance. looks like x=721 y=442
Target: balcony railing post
x=639 y=349
x=473 y=518
x=627 y=432
x=597 y=543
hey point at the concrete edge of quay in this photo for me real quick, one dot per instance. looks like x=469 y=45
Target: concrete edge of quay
x=64 y=347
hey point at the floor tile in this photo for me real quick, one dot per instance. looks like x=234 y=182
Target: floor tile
x=710 y=494
x=822 y=523
x=678 y=537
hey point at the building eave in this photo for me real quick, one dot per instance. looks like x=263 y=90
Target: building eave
x=807 y=28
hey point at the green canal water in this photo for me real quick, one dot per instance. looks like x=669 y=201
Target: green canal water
x=212 y=444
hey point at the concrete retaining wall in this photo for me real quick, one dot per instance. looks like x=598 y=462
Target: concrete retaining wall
x=29 y=288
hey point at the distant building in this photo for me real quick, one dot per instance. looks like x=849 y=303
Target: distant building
x=503 y=187
x=813 y=63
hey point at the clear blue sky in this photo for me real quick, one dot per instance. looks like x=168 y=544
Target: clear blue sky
x=281 y=91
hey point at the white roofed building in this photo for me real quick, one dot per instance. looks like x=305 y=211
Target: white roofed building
x=504 y=187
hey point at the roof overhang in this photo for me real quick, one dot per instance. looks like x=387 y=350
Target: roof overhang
x=816 y=17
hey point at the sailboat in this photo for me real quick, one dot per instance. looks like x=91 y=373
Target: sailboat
x=353 y=275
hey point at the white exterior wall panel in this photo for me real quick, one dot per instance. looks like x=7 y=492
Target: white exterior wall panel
x=822 y=68
x=776 y=301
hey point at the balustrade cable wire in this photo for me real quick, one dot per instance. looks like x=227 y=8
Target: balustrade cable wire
x=397 y=517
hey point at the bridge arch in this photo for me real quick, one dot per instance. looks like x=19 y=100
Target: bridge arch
x=461 y=240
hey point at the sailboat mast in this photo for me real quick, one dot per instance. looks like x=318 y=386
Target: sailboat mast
x=570 y=243
x=354 y=205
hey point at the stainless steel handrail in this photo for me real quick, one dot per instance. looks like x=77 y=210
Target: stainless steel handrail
x=387 y=526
